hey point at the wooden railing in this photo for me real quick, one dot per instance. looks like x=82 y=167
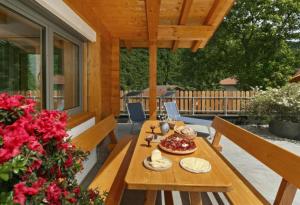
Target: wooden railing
x=197 y=102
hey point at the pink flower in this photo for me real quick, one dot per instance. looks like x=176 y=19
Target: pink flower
x=34 y=145
x=35 y=165
x=20 y=192
x=76 y=191
x=53 y=194
x=8 y=102
x=69 y=161
x=51 y=125
x=13 y=137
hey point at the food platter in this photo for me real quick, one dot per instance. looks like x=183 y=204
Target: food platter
x=147 y=164
x=177 y=151
x=200 y=165
x=185 y=130
x=178 y=144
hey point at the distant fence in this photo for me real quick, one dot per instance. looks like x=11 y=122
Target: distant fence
x=197 y=102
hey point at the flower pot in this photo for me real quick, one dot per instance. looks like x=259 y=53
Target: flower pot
x=285 y=129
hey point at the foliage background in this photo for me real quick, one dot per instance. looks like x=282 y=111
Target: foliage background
x=258 y=43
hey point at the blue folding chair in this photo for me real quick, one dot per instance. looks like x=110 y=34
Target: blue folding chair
x=136 y=114
x=173 y=113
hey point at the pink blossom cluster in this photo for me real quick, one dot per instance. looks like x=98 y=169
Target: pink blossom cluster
x=35 y=131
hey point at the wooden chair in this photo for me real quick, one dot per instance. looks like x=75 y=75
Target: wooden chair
x=281 y=161
x=110 y=177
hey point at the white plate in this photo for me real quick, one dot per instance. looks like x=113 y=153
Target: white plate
x=192 y=170
x=148 y=165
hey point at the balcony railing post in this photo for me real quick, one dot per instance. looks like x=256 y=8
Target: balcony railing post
x=193 y=106
x=226 y=105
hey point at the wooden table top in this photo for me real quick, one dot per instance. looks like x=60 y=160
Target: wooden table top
x=176 y=178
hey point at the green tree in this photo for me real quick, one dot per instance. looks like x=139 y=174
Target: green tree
x=255 y=39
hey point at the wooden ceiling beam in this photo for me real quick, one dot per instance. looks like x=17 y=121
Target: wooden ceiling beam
x=184 y=32
x=152 y=13
x=214 y=18
x=185 y=10
x=172 y=32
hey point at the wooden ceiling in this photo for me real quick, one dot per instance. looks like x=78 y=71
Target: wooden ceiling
x=170 y=23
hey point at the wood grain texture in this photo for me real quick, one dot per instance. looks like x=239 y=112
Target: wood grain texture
x=215 y=16
x=106 y=76
x=285 y=194
x=118 y=186
x=266 y=152
x=94 y=79
x=115 y=77
x=89 y=139
x=168 y=198
x=152 y=11
x=176 y=178
x=195 y=198
x=137 y=20
x=108 y=171
x=152 y=80
x=216 y=141
x=150 y=197
x=184 y=32
x=243 y=192
x=77 y=119
x=184 y=13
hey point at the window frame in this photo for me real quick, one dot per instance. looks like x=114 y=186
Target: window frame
x=51 y=25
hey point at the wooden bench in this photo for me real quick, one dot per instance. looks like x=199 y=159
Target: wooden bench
x=283 y=162
x=110 y=177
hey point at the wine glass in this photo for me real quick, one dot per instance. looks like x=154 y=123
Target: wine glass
x=152 y=127
x=148 y=139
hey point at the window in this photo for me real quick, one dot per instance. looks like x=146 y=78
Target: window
x=39 y=57
x=20 y=55
x=66 y=74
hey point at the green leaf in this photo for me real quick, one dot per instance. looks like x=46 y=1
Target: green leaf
x=4 y=176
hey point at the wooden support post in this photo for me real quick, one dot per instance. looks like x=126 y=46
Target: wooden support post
x=286 y=193
x=150 y=197
x=216 y=141
x=152 y=80
x=195 y=198
x=168 y=198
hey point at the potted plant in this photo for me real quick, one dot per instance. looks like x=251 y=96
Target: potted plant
x=278 y=107
x=37 y=161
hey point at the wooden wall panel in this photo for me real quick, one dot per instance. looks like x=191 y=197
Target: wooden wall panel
x=102 y=83
x=94 y=86
x=115 y=76
x=106 y=63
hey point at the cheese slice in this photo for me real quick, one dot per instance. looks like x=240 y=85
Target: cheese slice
x=156 y=155
x=195 y=164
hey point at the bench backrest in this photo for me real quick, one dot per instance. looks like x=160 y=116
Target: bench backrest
x=281 y=161
x=89 y=139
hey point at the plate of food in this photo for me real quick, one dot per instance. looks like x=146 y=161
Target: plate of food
x=157 y=162
x=178 y=144
x=195 y=165
x=185 y=130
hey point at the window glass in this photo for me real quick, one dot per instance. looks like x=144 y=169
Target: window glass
x=20 y=55
x=66 y=74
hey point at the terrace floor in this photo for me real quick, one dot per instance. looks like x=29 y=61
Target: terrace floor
x=264 y=179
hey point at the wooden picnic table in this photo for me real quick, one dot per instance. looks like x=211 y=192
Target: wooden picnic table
x=176 y=179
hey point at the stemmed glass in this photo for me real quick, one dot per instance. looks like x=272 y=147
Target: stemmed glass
x=148 y=139
x=152 y=127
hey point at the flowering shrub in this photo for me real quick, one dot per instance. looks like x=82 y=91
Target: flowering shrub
x=281 y=104
x=37 y=161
